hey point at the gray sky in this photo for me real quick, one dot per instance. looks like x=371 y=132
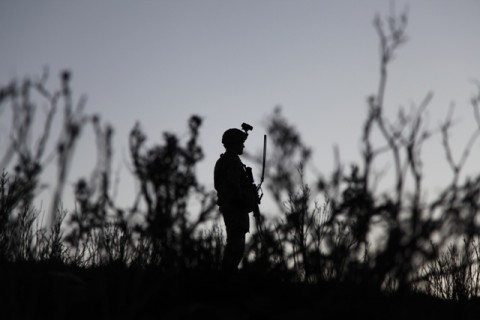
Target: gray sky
x=230 y=62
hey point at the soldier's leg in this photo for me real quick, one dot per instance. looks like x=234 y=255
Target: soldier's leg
x=234 y=250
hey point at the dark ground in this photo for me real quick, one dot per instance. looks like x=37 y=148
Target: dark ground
x=43 y=291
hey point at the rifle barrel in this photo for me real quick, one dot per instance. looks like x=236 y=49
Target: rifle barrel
x=264 y=156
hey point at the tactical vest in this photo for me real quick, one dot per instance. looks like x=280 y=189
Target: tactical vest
x=231 y=183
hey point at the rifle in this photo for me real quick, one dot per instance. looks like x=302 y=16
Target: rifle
x=255 y=189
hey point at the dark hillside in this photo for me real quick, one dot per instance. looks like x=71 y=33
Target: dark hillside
x=41 y=291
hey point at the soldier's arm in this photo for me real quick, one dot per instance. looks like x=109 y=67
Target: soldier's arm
x=234 y=185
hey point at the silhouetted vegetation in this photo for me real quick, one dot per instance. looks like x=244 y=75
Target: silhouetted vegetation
x=164 y=251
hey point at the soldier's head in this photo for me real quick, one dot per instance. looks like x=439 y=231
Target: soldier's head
x=233 y=140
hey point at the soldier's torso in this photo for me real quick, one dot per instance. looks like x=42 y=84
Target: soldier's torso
x=231 y=183
x=230 y=177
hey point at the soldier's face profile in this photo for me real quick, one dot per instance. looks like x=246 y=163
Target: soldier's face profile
x=241 y=147
x=237 y=148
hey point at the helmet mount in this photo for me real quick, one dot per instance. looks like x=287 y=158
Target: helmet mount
x=246 y=127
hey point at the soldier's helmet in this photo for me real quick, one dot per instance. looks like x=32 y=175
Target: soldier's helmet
x=233 y=136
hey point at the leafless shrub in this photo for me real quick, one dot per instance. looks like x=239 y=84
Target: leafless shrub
x=454 y=275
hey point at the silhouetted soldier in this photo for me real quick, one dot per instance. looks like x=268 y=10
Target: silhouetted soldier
x=234 y=199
